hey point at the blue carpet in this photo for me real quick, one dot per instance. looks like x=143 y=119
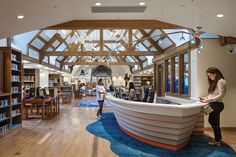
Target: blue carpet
x=88 y=103
x=125 y=146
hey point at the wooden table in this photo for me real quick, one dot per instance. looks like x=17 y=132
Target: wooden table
x=39 y=102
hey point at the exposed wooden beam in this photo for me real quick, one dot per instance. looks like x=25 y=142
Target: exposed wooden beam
x=152 y=42
x=168 y=37
x=130 y=44
x=99 y=53
x=227 y=40
x=171 y=52
x=33 y=60
x=101 y=39
x=97 y=24
x=103 y=63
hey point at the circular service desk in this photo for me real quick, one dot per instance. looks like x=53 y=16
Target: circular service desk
x=164 y=125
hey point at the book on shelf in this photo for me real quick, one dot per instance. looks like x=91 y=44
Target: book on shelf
x=14 y=89
x=15 y=78
x=29 y=85
x=4 y=103
x=4 y=128
x=15 y=112
x=14 y=66
x=14 y=100
x=3 y=115
x=28 y=78
x=14 y=57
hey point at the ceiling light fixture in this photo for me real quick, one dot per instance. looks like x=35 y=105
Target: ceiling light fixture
x=193 y=41
x=160 y=41
x=20 y=16
x=98 y=4
x=220 y=15
x=142 y=4
x=182 y=38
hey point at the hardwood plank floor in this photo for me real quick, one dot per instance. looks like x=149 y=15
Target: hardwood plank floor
x=64 y=136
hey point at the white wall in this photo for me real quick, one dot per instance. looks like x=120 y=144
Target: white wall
x=3 y=42
x=118 y=73
x=67 y=79
x=44 y=78
x=216 y=55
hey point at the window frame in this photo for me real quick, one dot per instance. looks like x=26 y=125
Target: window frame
x=180 y=74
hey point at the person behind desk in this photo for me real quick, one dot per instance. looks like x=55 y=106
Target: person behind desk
x=27 y=94
x=100 y=92
x=111 y=88
x=132 y=93
x=145 y=91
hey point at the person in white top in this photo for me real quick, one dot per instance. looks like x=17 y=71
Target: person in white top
x=216 y=92
x=100 y=93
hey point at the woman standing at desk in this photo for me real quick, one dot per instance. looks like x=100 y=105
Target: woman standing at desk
x=216 y=90
x=100 y=92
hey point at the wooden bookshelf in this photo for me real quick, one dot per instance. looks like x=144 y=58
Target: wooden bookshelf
x=12 y=83
x=141 y=81
x=147 y=78
x=137 y=80
x=1 y=71
x=5 y=112
x=55 y=80
x=31 y=78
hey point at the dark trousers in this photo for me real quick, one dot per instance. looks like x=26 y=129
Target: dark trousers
x=214 y=119
x=100 y=102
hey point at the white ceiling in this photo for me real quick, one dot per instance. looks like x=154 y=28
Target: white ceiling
x=189 y=13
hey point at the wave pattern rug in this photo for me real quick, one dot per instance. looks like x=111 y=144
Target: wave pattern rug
x=125 y=146
x=89 y=103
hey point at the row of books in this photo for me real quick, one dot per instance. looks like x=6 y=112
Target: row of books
x=4 y=103
x=3 y=115
x=14 y=100
x=15 y=112
x=14 y=89
x=4 y=128
x=15 y=78
x=29 y=85
x=13 y=57
x=28 y=78
x=14 y=66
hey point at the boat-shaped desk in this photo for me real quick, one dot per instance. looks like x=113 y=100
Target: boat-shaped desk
x=164 y=125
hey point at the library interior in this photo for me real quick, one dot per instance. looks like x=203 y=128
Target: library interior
x=103 y=78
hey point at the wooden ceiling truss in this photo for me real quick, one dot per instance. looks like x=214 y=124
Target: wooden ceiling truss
x=101 y=48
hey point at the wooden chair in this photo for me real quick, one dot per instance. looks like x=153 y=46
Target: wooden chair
x=26 y=109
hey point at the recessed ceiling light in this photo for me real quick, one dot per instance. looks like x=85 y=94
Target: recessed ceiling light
x=219 y=15
x=142 y=3
x=98 y=4
x=20 y=16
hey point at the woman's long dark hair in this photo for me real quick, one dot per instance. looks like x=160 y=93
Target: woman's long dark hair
x=131 y=86
x=99 y=81
x=213 y=83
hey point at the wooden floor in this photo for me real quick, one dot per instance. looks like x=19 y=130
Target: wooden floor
x=64 y=136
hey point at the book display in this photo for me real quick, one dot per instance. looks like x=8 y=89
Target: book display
x=31 y=78
x=11 y=96
x=141 y=81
